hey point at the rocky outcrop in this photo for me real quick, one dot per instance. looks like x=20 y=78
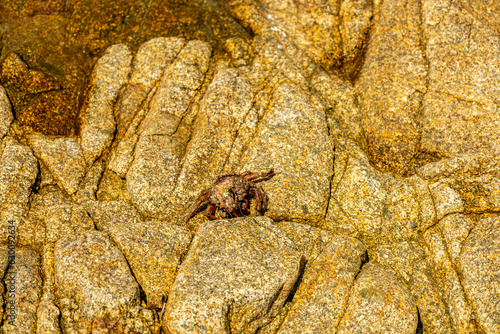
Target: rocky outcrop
x=379 y=120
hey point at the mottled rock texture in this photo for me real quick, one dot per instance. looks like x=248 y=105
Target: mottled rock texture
x=237 y=274
x=380 y=119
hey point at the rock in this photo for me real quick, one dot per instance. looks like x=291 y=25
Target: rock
x=340 y=100
x=18 y=171
x=293 y=139
x=312 y=27
x=163 y=137
x=322 y=296
x=48 y=314
x=148 y=65
x=391 y=85
x=58 y=214
x=479 y=266
x=310 y=241
x=6 y=116
x=237 y=274
x=379 y=303
x=153 y=248
x=222 y=114
x=23 y=287
x=455 y=229
x=459 y=309
x=63 y=157
x=460 y=113
x=355 y=24
x=426 y=202
x=93 y=282
x=98 y=121
x=379 y=206
x=409 y=263
x=446 y=200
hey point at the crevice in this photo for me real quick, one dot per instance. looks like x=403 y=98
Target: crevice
x=351 y=288
x=330 y=181
x=420 y=326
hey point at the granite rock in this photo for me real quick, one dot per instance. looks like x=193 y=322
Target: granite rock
x=98 y=120
x=235 y=278
x=302 y=157
x=391 y=85
x=6 y=116
x=479 y=266
x=378 y=303
x=93 y=284
x=322 y=296
x=63 y=157
x=23 y=291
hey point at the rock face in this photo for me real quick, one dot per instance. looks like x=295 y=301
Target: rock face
x=380 y=119
x=237 y=275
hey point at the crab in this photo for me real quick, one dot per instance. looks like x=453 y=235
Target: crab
x=230 y=194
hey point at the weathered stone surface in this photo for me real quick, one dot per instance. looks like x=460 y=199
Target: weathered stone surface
x=340 y=100
x=48 y=313
x=381 y=207
x=479 y=267
x=426 y=202
x=356 y=20
x=455 y=229
x=460 y=113
x=93 y=282
x=460 y=311
x=98 y=120
x=313 y=30
x=378 y=303
x=157 y=162
x=6 y=116
x=293 y=139
x=148 y=65
x=235 y=278
x=309 y=240
x=408 y=262
x=446 y=200
x=153 y=248
x=391 y=85
x=63 y=157
x=23 y=286
x=18 y=171
x=60 y=217
x=320 y=301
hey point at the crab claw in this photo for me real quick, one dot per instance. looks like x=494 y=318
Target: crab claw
x=254 y=176
x=201 y=201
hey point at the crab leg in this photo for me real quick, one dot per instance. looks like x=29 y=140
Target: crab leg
x=211 y=211
x=260 y=195
x=200 y=202
x=253 y=176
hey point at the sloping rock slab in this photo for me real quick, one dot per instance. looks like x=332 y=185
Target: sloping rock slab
x=479 y=266
x=92 y=279
x=379 y=303
x=322 y=296
x=236 y=277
